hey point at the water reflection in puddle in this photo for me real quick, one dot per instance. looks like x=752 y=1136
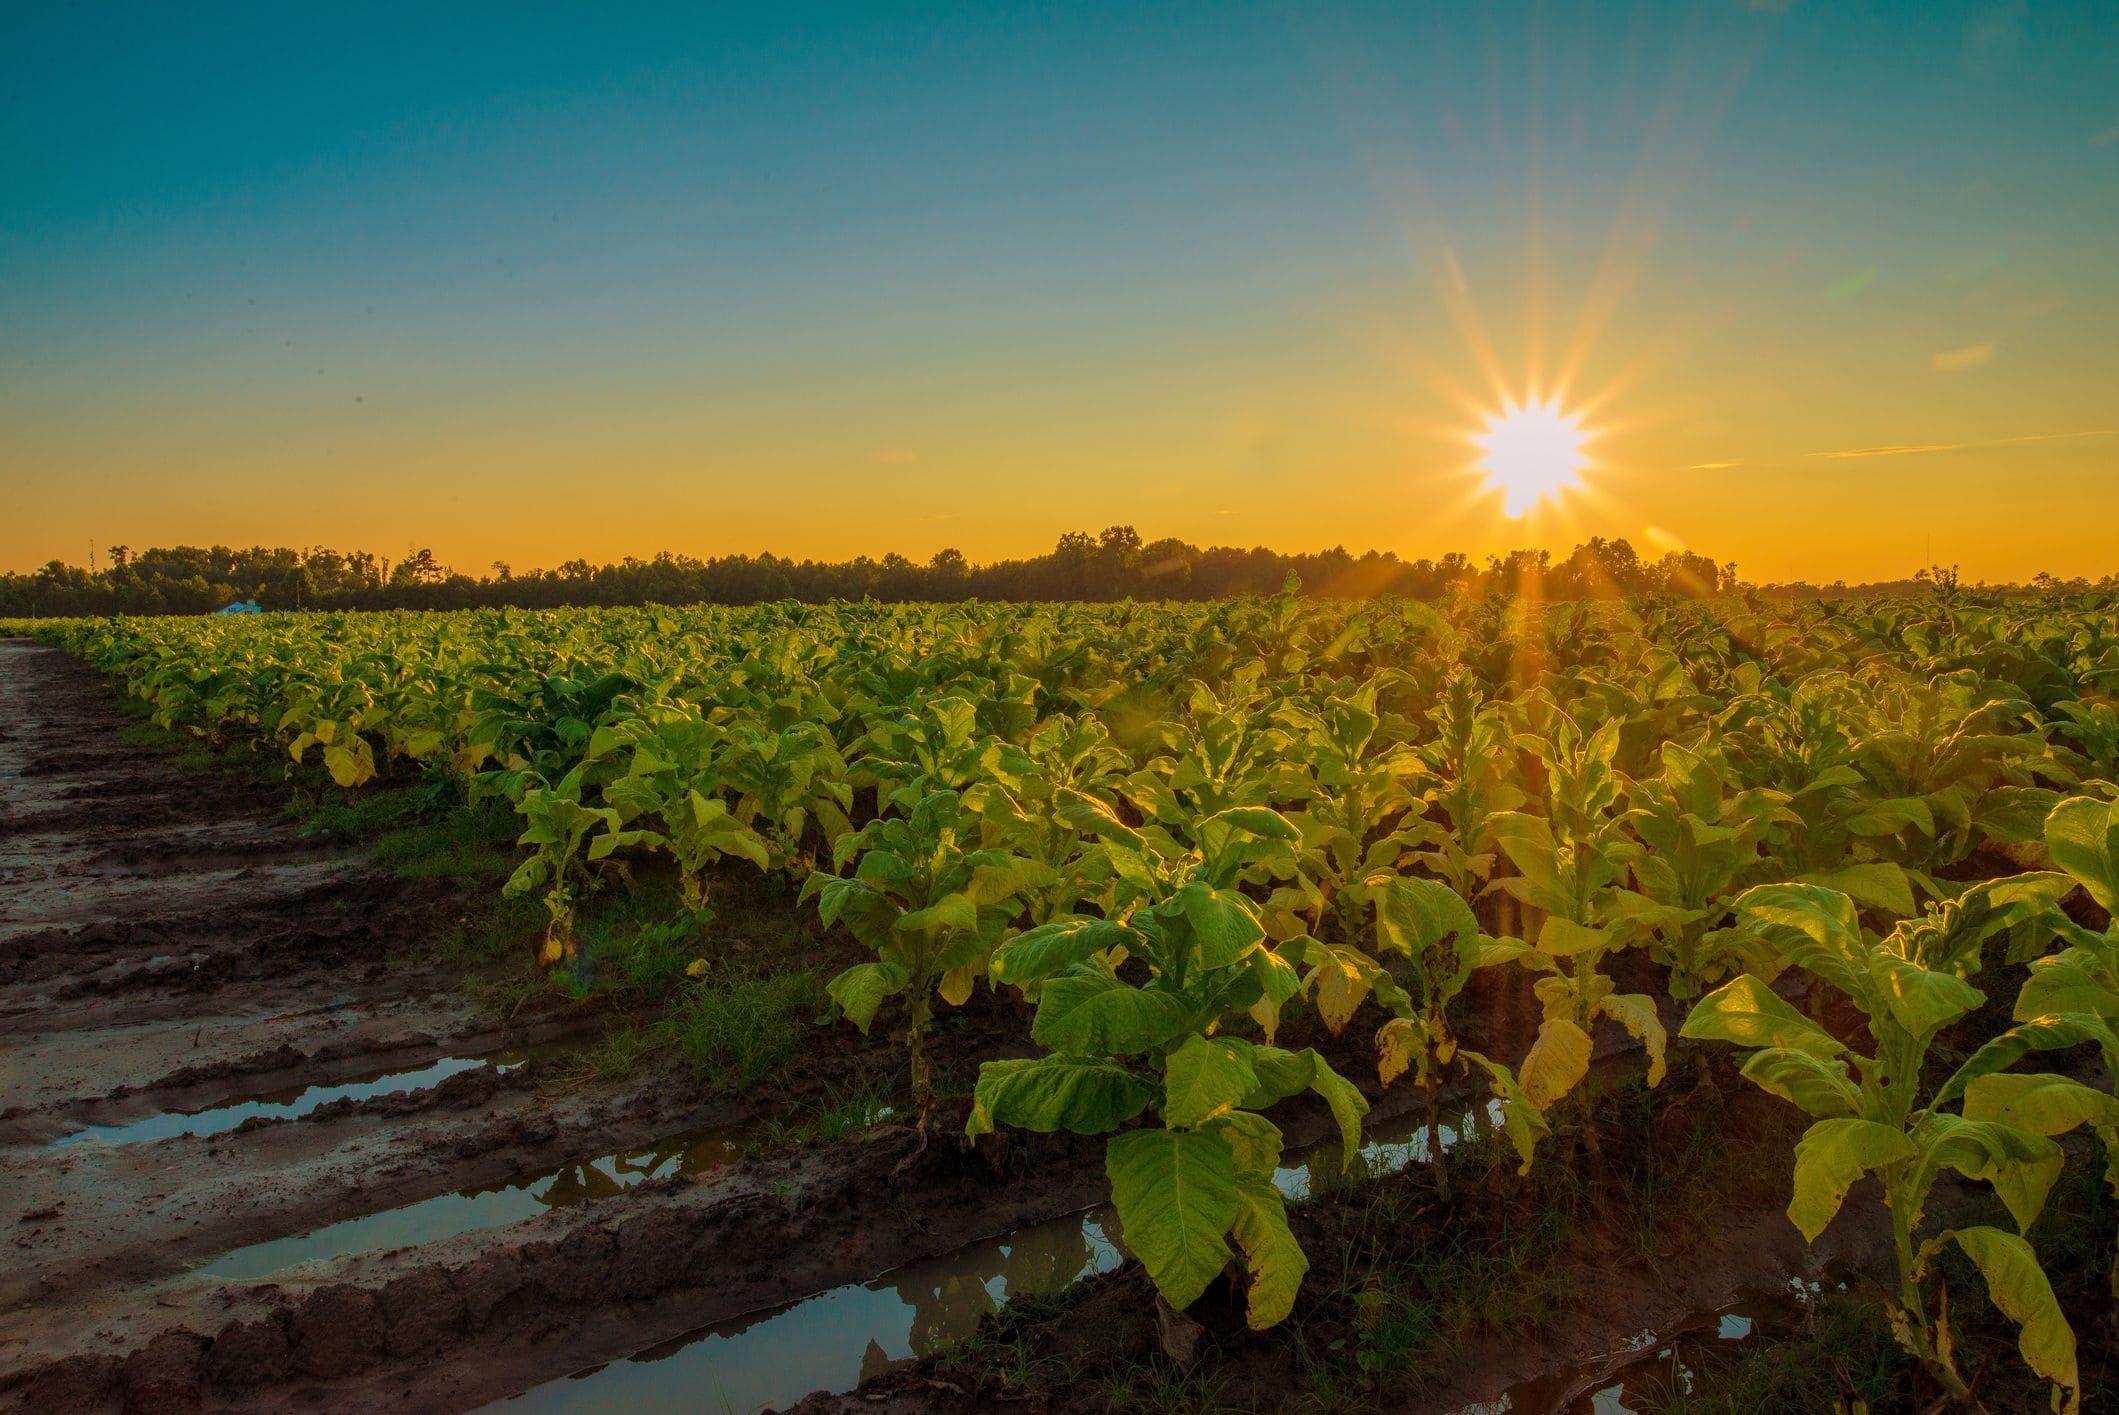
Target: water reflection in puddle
x=837 y=1339
x=467 y=1210
x=287 y=1104
x=1649 y=1371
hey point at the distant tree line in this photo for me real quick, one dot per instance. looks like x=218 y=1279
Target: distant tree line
x=1117 y=564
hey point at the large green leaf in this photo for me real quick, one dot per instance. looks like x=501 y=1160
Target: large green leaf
x=1746 y=1011
x=1273 y=1258
x=1175 y=1191
x=2061 y=985
x=952 y=913
x=1204 y=1077
x=2018 y=1286
x=1922 y=1000
x=1528 y=843
x=1561 y=939
x=860 y=990
x=1281 y=1073
x=1255 y=1141
x=1050 y=949
x=1221 y=922
x=1413 y=915
x=2082 y=835
x=2039 y=1101
x=1091 y=1013
x=1818 y=1084
x=1824 y=934
x=1878 y=885
x=1828 y=1159
x=1049 y=1093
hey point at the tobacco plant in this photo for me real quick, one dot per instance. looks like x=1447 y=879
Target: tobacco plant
x=1131 y=1010
x=1430 y=926
x=1873 y=1114
x=930 y=903
x=1569 y=866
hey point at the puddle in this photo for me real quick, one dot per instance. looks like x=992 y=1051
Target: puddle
x=468 y=1210
x=284 y=1104
x=835 y=1340
x=1650 y=1371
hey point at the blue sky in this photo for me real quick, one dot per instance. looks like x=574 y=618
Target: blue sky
x=416 y=273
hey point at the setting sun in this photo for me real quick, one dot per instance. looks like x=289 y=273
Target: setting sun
x=1532 y=453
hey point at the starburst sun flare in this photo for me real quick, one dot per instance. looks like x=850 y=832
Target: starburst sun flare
x=1532 y=452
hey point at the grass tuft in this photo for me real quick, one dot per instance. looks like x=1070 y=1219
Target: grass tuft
x=739 y=1027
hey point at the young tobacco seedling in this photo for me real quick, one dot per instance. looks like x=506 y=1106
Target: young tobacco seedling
x=1431 y=925
x=930 y=905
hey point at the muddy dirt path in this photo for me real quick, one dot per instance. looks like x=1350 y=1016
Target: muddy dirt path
x=170 y=943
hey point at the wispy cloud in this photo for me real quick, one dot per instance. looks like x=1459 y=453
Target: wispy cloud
x=1908 y=449
x=1712 y=466
x=1958 y=360
x=1898 y=450
x=2106 y=138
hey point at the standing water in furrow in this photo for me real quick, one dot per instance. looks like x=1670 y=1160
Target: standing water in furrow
x=839 y=1338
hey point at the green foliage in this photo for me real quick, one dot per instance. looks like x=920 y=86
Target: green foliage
x=1165 y=830
x=1876 y=1114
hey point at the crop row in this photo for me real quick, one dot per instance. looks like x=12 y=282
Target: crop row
x=1165 y=826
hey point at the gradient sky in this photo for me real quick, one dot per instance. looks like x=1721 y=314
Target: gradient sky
x=526 y=283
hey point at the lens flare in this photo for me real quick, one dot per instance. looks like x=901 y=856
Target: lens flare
x=1533 y=453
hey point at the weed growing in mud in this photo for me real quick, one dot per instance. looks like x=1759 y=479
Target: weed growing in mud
x=467 y=845
x=740 y=1027
x=1161 y=1388
x=844 y=1111
x=1846 y=1336
x=493 y=928
x=621 y=1053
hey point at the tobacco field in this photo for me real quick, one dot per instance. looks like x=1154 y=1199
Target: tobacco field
x=1752 y=944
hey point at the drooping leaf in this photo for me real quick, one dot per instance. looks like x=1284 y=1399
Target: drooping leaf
x=1636 y=1013
x=1274 y=1260
x=1204 y=1077
x=1175 y=1191
x=2019 y=1165
x=1557 y=1062
x=861 y=989
x=1829 y=1158
x=2018 y=1286
x=1818 y=1084
x=1347 y=1104
x=1050 y=1093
